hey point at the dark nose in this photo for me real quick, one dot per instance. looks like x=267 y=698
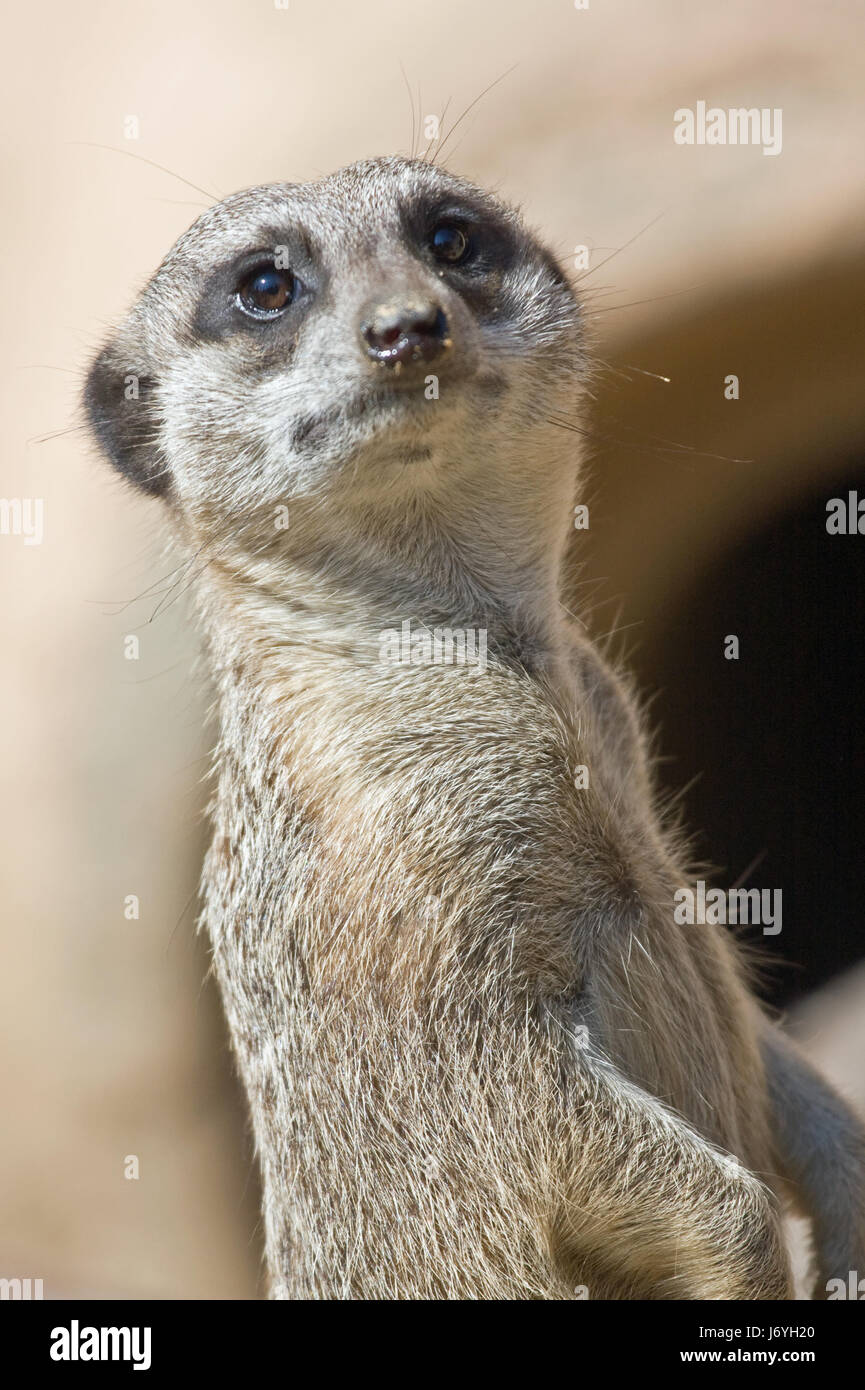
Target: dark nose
x=401 y=331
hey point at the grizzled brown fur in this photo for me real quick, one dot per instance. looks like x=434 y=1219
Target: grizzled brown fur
x=482 y=1059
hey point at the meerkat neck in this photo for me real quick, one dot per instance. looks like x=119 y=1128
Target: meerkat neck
x=336 y=579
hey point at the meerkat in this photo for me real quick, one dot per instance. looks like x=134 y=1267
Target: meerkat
x=482 y=1059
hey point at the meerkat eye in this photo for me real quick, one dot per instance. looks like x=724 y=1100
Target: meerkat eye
x=266 y=292
x=450 y=244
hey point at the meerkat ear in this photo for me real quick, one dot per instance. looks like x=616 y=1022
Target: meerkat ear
x=118 y=399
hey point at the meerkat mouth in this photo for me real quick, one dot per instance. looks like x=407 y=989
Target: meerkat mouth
x=381 y=409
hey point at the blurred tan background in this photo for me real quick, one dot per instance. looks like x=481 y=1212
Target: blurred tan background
x=112 y=1042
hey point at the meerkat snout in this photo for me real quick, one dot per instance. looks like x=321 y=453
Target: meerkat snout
x=404 y=331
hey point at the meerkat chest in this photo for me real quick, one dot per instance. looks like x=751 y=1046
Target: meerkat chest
x=404 y=844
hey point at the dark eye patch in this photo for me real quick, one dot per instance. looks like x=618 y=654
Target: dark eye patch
x=494 y=252
x=265 y=291
x=491 y=244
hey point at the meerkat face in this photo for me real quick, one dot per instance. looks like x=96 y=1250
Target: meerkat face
x=378 y=328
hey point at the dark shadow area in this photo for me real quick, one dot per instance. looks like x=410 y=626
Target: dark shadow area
x=775 y=739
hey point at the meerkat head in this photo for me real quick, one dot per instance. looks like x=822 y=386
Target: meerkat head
x=386 y=331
